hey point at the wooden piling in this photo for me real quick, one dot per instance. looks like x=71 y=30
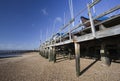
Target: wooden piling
x=47 y=53
x=50 y=53
x=54 y=55
x=69 y=55
x=105 y=55
x=44 y=52
x=77 y=59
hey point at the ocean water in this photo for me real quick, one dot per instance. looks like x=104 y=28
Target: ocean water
x=7 y=54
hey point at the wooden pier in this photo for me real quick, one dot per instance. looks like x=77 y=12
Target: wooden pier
x=98 y=41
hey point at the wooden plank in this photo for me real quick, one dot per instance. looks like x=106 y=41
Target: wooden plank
x=85 y=38
x=61 y=43
x=99 y=34
x=108 y=32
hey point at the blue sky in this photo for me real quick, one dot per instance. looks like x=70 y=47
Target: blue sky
x=23 y=23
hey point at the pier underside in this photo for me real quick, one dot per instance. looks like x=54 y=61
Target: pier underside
x=105 y=49
x=91 y=49
x=99 y=41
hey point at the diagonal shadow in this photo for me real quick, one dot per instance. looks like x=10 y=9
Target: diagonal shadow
x=116 y=61
x=84 y=70
x=61 y=59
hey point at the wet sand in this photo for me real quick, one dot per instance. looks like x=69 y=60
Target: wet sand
x=33 y=67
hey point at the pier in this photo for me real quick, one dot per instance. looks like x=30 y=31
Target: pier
x=100 y=40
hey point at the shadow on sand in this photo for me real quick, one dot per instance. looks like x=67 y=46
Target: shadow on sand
x=60 y=59
x=63 y=58
x=90 y=65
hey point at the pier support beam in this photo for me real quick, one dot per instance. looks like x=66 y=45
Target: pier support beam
x=69 y=55
x=104 y=55
x=77 y=58
x=43 y=52
x=50 y=53
x=47 y=52
x=54 y=55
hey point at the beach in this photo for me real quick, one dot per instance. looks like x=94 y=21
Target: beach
x=33 y=67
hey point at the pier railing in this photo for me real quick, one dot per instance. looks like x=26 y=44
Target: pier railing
x=71 y=32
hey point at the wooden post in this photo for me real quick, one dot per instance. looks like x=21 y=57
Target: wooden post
x=77 y=59
x=60 y=36
x=50 y=53
x=69 y=35
x=54 y=55
x=69 y=56
x=45 y=52
x=104 y=55
x=41 y=52
x=91 y=21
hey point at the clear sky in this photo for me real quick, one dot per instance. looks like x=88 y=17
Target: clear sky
x=24 y=22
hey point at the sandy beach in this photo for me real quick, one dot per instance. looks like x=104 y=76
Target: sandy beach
x=33 y=67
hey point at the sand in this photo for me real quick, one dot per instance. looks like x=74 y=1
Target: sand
x=33 y=67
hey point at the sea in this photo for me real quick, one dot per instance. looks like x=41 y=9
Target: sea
x=10 y=53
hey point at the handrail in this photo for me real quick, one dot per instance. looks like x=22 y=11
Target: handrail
x=94 y=3
x=107 y=12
